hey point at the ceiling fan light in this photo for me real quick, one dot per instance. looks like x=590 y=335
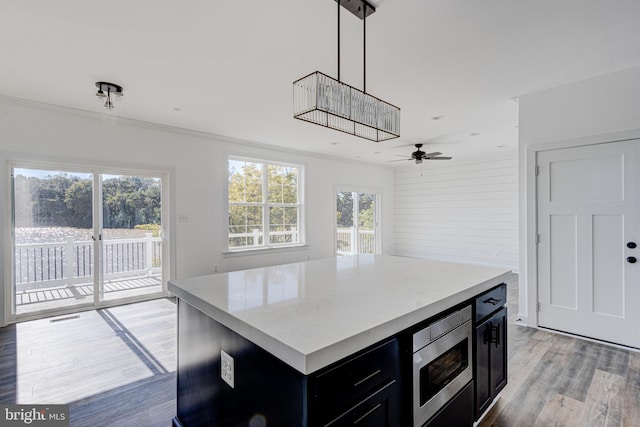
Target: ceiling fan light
x=109 y=88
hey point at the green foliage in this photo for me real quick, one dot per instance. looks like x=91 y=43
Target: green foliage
x=366 y=214
x=367 y=218
x=78 y=198
x=67 y=201
x=128 y=201
x=246 y=213
x=344 y=216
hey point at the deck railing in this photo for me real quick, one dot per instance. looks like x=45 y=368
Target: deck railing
x=255 y=237
x=40 y=265
x=346 y=239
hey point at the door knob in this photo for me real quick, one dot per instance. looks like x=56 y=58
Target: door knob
x=631 y=260
x=631 y=245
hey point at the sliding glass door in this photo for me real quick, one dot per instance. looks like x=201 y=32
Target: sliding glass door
x=66 y=222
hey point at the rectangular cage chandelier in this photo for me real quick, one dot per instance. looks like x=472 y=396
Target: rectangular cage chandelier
x=325 y=101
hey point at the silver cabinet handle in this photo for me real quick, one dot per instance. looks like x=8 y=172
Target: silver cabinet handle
x=367 y=378
x=366 y=414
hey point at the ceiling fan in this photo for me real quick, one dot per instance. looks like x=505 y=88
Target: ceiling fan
x=420 y=155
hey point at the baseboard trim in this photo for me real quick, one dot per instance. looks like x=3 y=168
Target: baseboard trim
x=484 y=414
x=593 y=340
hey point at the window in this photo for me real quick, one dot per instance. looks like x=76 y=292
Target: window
x=265 y=204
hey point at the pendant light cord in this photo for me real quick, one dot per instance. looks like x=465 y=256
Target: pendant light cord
x=338 y=1
x=364 y=49
x=364 y=45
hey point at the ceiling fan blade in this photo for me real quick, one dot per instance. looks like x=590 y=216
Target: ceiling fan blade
x=435 y=153
x=399 y=160
x=439 y=158
x=399 y=155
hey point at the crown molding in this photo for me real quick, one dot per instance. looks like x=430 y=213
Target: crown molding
x=125 y=121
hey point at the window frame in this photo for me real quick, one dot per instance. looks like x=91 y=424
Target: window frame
x=265 y=206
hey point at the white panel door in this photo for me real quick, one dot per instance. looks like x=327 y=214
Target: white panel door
x=588 y=212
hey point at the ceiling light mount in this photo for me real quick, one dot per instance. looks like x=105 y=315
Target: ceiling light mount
x=106 y=90
x=325 y=101
x=358 y=8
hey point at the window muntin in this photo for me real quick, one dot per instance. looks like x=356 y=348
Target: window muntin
x=264 y=204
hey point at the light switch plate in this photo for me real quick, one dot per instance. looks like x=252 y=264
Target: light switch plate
x=226 y=368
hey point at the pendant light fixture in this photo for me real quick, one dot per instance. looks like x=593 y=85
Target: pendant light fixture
x=325 y=101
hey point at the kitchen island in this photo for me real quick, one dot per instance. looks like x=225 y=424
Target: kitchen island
x=259 y=347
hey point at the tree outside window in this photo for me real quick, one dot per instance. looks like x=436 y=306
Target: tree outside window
x=264 y=204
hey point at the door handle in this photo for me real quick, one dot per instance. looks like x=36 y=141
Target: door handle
x=631 y=260
x=631 y=245
x=486 y=335
x=495 y=334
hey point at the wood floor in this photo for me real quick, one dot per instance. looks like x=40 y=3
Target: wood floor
x=116 y=367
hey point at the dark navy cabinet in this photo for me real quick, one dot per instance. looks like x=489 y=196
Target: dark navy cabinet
x=491 y=347
x=372 y=387
x=361 y=390
x=458 y=412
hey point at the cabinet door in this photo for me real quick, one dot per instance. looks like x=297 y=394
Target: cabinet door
x=483 y=367
x=499 y=352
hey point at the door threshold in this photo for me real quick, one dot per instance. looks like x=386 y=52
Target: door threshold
x=79 y=309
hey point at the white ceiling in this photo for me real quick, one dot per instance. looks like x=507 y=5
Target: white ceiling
x=228 y=66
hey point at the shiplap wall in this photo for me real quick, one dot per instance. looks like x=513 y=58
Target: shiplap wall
x=460 y=210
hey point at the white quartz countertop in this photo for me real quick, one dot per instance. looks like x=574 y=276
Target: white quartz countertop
x=314 y=313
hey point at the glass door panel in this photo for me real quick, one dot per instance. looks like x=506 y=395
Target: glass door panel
x=366 y=223
x=53 y=247
x=355 y=223
x=131 y=237
x=345 y=230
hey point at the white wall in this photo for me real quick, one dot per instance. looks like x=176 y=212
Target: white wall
x=197 y=164
x=459 y=210
x=598 y=110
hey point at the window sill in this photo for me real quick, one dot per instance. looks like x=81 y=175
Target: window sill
x=262 y=251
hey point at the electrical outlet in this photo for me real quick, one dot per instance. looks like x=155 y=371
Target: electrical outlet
x=183 y=218
x=226 y=368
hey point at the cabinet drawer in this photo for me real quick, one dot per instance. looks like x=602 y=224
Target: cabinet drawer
x=378 y=410
x=340 y=387
x=458 y=412
x=490 y=301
